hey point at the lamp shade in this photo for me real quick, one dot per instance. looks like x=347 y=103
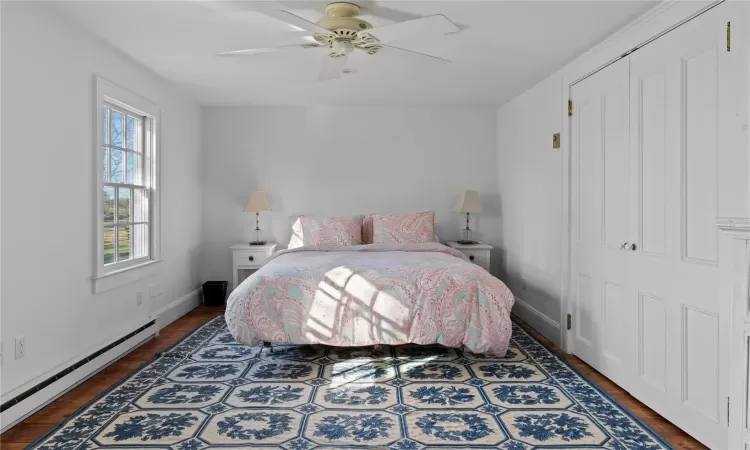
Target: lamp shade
x=258 y=202
x=469 y=202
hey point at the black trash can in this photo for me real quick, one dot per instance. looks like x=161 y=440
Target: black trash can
x=214 y=293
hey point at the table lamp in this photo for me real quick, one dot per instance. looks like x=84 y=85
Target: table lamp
x=468 y=203
x=257 y=203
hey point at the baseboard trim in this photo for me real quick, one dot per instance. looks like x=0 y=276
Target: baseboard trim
x=177 y=308
x=36 y=401
x=538 y=321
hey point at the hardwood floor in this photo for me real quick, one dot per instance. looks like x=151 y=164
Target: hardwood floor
x=38 y=424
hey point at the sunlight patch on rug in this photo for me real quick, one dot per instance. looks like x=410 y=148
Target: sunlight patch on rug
x=210 y=392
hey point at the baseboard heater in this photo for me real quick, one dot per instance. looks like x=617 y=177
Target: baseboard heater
x=67 y=371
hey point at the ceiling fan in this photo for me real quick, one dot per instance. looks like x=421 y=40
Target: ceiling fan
x=342 y=32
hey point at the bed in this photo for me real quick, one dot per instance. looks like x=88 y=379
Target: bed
x=360 y=295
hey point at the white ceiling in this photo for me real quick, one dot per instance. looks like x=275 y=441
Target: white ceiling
x=503 y=48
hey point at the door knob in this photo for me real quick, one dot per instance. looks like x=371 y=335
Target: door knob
x=632 y=247
x=625 y=246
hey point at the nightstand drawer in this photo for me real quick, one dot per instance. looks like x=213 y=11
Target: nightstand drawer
x=477 y=253
x=250 y=258
x=478 y=257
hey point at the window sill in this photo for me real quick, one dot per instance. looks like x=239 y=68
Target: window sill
x=124 y=276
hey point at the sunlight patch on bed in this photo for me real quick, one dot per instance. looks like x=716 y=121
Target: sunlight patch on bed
x=347 y=299
x=322 y=316
x=330 y=291
x=395 y=313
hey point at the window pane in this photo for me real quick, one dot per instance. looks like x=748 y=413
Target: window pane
x=140 y=205
x=109 y=206
x=109 y=245
x=135 y=171
x=140 y=241
x=106 y=160
x=123 y=205
x=116 y=166
x=116 y=128
x=105 y=121
x=123 y=243
x=130 y=133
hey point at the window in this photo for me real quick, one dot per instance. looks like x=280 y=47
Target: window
x=127 y=194
x=126 y=187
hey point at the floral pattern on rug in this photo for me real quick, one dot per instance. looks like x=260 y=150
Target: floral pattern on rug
x=210 y=392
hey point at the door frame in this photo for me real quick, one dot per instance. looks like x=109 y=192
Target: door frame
x=654 y=23
x=734 y=240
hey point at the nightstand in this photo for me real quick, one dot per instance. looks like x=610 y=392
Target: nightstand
x=249 y=257
x=479 y=254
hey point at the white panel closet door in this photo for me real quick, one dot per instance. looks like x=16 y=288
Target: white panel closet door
x=680 y=88
x=601 y=201
x=654 y=142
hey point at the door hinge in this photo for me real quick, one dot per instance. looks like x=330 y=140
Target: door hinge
x=729 y=36
x=570 y=108
x=570 y=321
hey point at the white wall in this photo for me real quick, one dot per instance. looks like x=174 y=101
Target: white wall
x=47 y=199
x=335 y=160
x=530 y=186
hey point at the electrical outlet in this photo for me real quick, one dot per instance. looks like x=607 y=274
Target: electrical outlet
x=20 y=346
x=139 y=299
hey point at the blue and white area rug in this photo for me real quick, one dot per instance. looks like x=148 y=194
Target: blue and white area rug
x=210 y=392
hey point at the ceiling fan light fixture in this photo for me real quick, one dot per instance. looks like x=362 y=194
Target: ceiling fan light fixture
x=342 y=46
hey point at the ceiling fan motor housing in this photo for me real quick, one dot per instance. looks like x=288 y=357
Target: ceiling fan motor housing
x=344 y=25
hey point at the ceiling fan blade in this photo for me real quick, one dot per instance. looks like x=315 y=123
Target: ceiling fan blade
x=255 y=51
x=412 y=52
x=268 y=8
x=332 y=68
x=424 y=27
x=378 y=9
x=297 y=22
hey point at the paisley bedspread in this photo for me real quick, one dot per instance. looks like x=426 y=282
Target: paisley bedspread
x=372 y=294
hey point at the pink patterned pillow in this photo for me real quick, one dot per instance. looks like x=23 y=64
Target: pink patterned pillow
x=367 y=229
x=331 y=230
x=408 y=229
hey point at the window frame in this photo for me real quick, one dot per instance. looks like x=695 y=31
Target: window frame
x=113 y=275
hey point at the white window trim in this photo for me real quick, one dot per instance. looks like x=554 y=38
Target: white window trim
x=106 y=278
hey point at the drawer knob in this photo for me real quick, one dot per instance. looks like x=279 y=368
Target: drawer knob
x=250 y=258
x=471 y=258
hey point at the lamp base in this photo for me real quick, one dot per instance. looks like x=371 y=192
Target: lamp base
x=258 y=243
x=467 y=242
